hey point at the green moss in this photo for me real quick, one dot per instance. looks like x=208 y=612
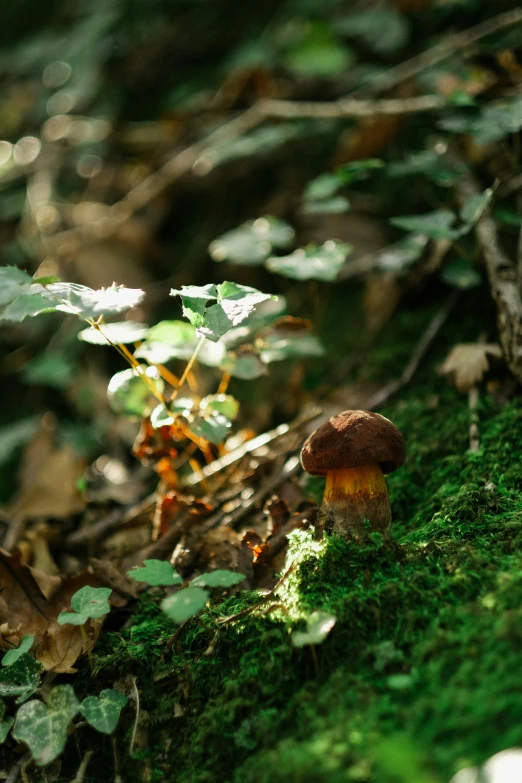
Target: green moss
x=419 y=676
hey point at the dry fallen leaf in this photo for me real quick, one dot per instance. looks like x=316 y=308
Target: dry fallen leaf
x=468 y=362
x=31 y=601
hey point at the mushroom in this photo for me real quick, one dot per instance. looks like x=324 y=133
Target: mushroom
x=354 y=449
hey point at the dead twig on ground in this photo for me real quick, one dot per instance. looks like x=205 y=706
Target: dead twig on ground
x=502 y=278
x=349 y=107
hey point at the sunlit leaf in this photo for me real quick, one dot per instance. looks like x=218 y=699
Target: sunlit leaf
x=87 y=303
x=219 y=578
x=245 y=364
x=214 y=427
x=328 y=206
x=276 y=348
x=312 y=262
x=43 y=727
x=252 y=242
x=213 y=310
x=127 y=392
x=122 y=332
x=12 y=656
x=185 y=604
x=319 y=625
x=401 y=255
x=103 y=712
x=13 y=282
x=156 y=573
x=221 y=403
x=88 y=603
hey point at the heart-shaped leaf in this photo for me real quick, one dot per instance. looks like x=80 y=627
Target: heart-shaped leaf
x=156 y=573
x=12 y=656
x=20 y=679
x=185 y=604
x=103 y=712
x=89 y=603
x=219 y=578
x=43 y=727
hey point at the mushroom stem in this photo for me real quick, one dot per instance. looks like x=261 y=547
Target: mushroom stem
x=353 y=495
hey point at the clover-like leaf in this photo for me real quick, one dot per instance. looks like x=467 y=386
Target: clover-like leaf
x=218 y=578
x=436 y=225
x=129 y=394
x=214 y=310
x=156 y=573
x=88 y=303
x=319 y=625
x=88 y=603
x=12 y=656
x=185 y=604
x=103 y=712
x=43 y=727
x=312 y=262
x=121 y=332
x=20 y=679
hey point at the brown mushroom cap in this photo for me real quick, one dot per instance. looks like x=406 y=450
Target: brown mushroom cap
x=353 y=439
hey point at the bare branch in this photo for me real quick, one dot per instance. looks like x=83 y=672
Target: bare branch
x=349 y=107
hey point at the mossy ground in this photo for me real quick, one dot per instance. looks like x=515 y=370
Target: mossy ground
x=421 y=674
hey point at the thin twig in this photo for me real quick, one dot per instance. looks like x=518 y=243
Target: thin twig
x=410 y=68
x=349 y=107
x=82 y=769
x=251 y=445
x=502 y=280
x=137 y=718
x=16 y=771
x=421 y=348
x=267 y=597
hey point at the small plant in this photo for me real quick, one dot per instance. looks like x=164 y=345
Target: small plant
x=88 y=603
x=191 y=599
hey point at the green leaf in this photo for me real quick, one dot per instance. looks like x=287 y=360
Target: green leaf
x=319 y=54
x=5 y=725
x=319 y=625
x=52 y=368
x=459 y=273
x=436 y=225
x=432 y=164
x=214 y=310
x=221 y=403
x=156 y=573
x=323 y=187
x=329 y=206
x=20 y=679
x=252 y=242
x=474 y=207
x=123 y=332
x=13 y=282
x=185 y=604
x=87 y=303
x=312 y=262
x=246 y=364
x=401 y=255
x=88 y=603
x=173 y=333
x=278 y=347
x=43 y=727
x=103 y=713
x=12 y=656
x=381 y=28
x=213 y=427
x=219 y=578
x=28 y=305
x=128 y=394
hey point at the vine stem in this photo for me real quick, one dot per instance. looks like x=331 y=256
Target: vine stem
x=188 y=368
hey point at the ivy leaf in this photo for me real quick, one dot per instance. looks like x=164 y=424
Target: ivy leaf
x=88 y=603
x=219 y=578
x=12 y=656
x=185 y=604
x=312 y=262
x=319 y=625
x=436 y=225
x=214 y=310
x=20 y=679
x=5 y=725
x=128 y=394
x=87 y=303
x=121 y=332
x=213 y=427
x=43 y=727
x=156 y=573
x=103 y=713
